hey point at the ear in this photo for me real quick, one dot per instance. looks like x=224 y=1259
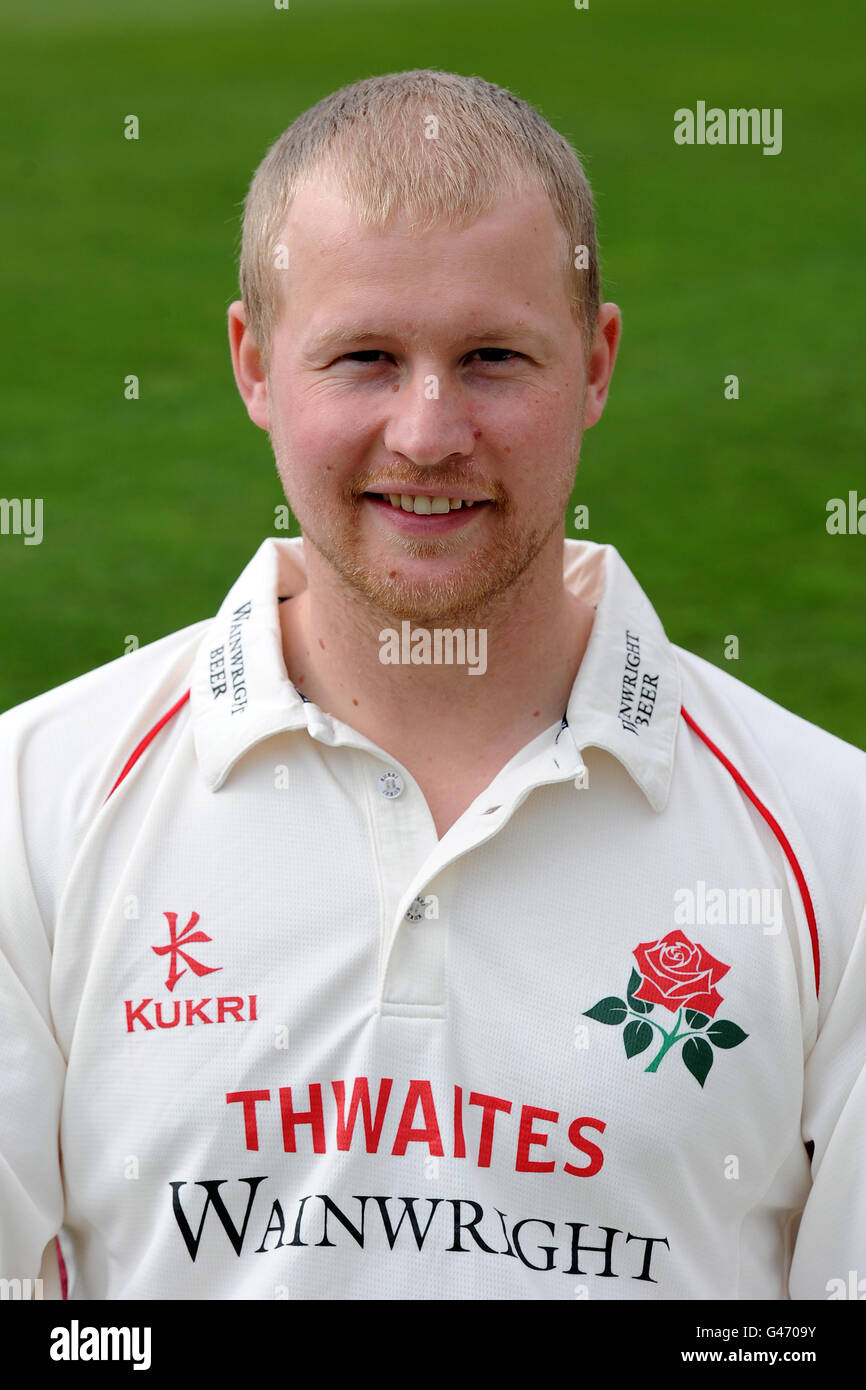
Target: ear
x=601 y=361
x=247 y=366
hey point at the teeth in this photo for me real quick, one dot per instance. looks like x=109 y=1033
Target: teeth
x=426 y=506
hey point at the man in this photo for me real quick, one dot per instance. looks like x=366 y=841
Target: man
x=426 y=925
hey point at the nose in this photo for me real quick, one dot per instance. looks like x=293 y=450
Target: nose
x=429 y=422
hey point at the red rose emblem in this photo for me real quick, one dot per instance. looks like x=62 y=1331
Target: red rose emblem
x=678 y=974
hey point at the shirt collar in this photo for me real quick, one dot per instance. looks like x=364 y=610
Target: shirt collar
x=625 y=699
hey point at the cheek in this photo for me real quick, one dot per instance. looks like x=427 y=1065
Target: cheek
x=319 y=439
x=537 y=423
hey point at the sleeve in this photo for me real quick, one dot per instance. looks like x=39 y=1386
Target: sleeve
x=829 y=1259
x=60 y=753
x=32 y=1066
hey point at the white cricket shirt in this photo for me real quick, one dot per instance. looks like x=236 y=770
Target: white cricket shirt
x=293 y=1045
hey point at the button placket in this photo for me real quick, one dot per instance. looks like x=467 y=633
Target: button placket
x=411 y=959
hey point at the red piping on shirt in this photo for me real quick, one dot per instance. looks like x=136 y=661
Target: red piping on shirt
x=136 y=754
x=777 y=831
x=61 y=1266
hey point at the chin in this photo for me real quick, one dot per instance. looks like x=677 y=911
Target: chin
x=463 y=593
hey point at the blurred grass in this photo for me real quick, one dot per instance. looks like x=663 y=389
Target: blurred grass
x=118 y=257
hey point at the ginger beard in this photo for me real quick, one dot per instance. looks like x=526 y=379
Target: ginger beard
x=472 y=574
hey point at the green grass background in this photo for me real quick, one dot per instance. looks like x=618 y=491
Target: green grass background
x=119 y=257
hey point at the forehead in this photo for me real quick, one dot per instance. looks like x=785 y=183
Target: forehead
x=513 y=254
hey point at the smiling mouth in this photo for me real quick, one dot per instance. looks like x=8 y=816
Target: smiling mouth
x=422 y=505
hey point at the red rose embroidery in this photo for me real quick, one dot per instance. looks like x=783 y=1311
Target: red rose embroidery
x=678 y=974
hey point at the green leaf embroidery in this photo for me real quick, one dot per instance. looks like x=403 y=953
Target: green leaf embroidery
x=726 y=1034
x=638 y=1006
x=698 y=1057
x=637 y=1037
x=609 y=1010
x=695 y=1019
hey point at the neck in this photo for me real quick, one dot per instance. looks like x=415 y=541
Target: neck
x=521 y=657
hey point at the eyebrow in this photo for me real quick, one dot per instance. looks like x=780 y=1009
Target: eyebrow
x=341 y=333
x=356 y=335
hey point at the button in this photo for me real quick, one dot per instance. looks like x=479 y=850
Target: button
x=390 y=784
x=417 y=910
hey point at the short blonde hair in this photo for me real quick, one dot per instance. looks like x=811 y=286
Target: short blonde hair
x=374 y=137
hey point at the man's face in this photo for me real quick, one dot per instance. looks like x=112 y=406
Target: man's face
x=445 y=365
